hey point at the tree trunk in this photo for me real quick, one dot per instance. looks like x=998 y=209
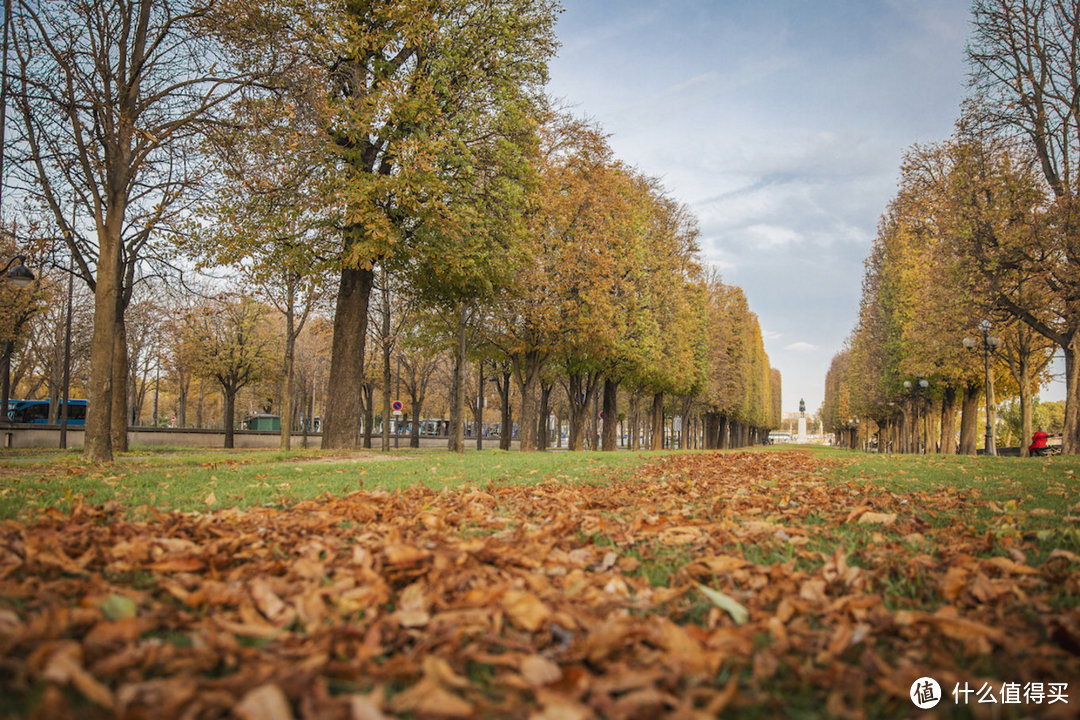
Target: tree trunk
x=526 y=373
x=480 y=405
x=347 y=360
x=6 y=350
x=457 y=401
x=183 y=385
x=658 y=421
x=367 y=394
x=969 y=410
x=1026 y=428
x=948 y=421
x=97 y=444
x=121 y=379
x=635 y=409
x=579 y=391
x=593 y=421
x=230 y=412
x=387 y=346
x=1070 y=436
x=611 y=412
x=287 y=391
x=414 y=431
x=543 y=439
x=506 y=422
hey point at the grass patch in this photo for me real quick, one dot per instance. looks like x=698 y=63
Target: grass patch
x=185 y=480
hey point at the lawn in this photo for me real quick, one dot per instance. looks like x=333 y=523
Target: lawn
x=790 y=583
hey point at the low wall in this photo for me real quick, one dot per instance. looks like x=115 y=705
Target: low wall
x=30 y=435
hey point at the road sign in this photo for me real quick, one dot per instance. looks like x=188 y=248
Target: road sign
x=397 y=407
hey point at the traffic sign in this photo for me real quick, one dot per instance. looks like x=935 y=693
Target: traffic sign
x=397 y=407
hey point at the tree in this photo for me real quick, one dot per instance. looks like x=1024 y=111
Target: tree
x=1025 y=64
x=111 y=98
x=268 y=214
x=405 y=86
x=228 y=341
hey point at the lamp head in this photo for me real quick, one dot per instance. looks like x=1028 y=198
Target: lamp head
x=19 y=275
x=969 y=343
x=993 y=342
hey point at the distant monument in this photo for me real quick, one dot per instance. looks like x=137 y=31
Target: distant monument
x=802 y=422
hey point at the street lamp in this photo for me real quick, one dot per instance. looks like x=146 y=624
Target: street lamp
x=20 y=276
x=989 y=345
x=17 y=273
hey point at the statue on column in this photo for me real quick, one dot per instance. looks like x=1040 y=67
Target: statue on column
x=802 y=422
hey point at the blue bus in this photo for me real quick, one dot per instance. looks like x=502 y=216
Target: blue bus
x=37 y=411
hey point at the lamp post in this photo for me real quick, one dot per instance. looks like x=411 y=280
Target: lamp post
x=20 y=276
x=67 y=359
x=989 y=345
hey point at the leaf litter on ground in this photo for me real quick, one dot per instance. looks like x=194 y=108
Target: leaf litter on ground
x=740 y=582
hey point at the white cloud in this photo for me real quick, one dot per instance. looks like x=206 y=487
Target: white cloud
x=770 y=237
x=800 y=346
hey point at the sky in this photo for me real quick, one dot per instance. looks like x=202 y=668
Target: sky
x=782 y=124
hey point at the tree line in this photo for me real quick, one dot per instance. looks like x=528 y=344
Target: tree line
x=977 y=253
x=394 y=170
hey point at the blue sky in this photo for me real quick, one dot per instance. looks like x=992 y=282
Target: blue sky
x=782 y=124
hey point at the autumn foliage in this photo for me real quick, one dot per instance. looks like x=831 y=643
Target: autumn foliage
x=748 y=582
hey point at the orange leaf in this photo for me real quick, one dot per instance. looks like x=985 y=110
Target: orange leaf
x=525 y=609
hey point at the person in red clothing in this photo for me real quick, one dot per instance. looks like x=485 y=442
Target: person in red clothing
x=1038 y=443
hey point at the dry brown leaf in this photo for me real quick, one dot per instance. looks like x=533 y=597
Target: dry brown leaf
x=525 y=609
x=266 y=702
x=64 y=666
x=1059 y=553
x=439 y=670
x=876 y=518
x=269 y=604
x=539 y=671
x=362 y=707
x=1011 y=566
x=954 y=583
x=427 y=697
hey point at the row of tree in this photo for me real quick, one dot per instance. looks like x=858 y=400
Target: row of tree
x=981 y=241
x=395 y=161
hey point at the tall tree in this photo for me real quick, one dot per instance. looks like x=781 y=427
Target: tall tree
x=111 y=97
x=1026 y=65
x=406 y=83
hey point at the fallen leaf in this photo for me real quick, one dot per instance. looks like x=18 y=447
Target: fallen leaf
x=427 y=697
x=117 y=607
x=266 y=702
x=868 y=518
x=539 y=671
x=726 y=603
x=525 y=609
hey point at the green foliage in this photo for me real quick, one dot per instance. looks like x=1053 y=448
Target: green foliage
x=228 y=340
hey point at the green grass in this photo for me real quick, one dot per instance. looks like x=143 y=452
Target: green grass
x=184 y=479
